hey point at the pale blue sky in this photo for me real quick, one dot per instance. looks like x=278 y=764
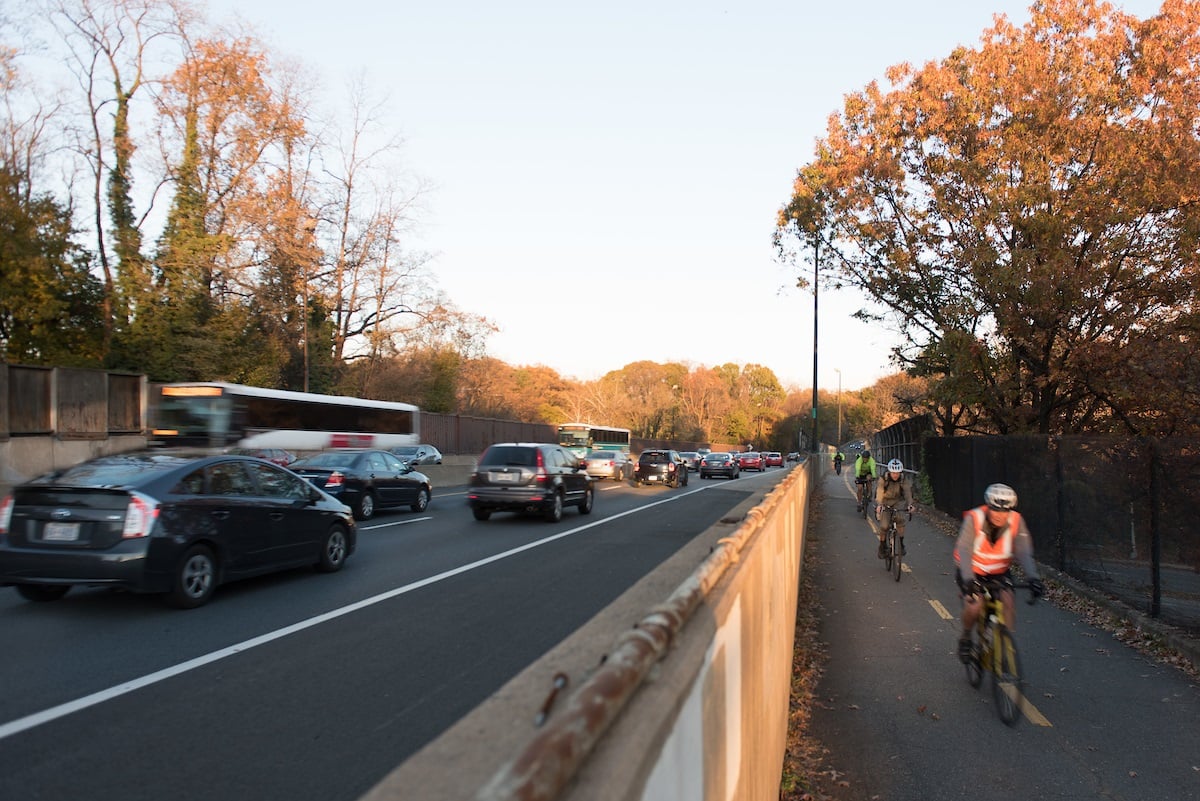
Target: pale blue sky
x=626 y=158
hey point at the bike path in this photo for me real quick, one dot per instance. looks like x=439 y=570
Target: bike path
x=900 y=721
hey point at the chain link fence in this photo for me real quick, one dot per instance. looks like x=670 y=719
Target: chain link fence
x=1112 y=512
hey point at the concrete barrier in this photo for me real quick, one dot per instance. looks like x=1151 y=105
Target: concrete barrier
x=679 y=689
x=452 y=472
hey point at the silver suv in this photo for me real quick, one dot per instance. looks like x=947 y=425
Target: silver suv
x=529 y=477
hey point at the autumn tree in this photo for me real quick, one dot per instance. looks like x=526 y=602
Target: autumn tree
x=111 y=44
x=49 y=300
x=1027 y=211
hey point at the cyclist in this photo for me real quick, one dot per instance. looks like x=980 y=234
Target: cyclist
x=864 y=474
x=991 y=536
x=838 y=458
x=894 y=490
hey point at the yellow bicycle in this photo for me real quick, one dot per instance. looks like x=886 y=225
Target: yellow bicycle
x=993 y=650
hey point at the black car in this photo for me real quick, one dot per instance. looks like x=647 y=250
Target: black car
x=719 y=464
x=529 y=477
x=661 y=467
x=417 y=454
x=366 y=479
x=166 y=523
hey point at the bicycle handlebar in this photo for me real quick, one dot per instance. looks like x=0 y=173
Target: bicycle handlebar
x=894 y=509
x=987 y=585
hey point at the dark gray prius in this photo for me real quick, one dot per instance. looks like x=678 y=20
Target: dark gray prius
x=169 y=523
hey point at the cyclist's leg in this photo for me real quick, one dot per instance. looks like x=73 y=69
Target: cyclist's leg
x=901 y=521
x=972 y=609
x=1008 y=599
x=885 y=521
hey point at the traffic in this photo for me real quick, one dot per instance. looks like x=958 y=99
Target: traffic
x=292 y=684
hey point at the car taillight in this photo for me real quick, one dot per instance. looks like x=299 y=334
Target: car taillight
x=542 y=476
x=335 y=480
x=6 y=507
x=140 y=515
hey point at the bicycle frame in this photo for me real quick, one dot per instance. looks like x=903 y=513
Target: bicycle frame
x=864 y=493
x=994 y=650
x=891 y=543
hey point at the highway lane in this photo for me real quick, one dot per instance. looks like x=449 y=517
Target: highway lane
x=309 y=686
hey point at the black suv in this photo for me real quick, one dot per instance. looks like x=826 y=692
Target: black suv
x=529 y=477
x=661 y=467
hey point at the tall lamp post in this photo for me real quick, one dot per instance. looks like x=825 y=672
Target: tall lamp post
x=838 y=444
x=816 y=263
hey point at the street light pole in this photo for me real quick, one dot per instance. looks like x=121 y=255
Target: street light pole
x=839 y=436
x=816 y=263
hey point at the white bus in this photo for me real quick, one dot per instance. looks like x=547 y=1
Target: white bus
x=218 y=415
x=583 y=438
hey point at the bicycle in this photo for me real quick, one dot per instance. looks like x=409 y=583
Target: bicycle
x=892 y=550
x=865 y=485
x=837 y=465
x=994 y=650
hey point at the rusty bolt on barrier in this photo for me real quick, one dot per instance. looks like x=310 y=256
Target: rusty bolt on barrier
x=559 y=683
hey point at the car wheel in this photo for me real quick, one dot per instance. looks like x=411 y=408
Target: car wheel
x=589 y=497
x=481 y=514
x=365 y=508
x=43 y=592
x=555 y=509
x=195 y=578
x=334 y=550
x=422 y=501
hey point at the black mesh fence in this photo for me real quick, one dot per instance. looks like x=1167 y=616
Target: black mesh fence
x=1112 y=512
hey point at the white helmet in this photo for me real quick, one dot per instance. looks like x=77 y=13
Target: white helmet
x=895 y=466
x=1000 y=496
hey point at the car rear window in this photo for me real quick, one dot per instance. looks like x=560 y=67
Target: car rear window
x=115 y=471
x=514 y=455
x=330 y=459
x=603 y=455
x=655 y=457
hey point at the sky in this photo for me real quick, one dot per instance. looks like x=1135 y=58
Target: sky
x=605 y=177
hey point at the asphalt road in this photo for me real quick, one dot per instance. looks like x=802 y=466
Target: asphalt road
x=309 y=686
x=901 y=723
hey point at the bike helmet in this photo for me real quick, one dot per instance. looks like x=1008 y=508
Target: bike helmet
x=895 y=466
x=866 y=455
x=1000 y=497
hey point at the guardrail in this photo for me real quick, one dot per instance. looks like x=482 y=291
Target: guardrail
x=681 y=684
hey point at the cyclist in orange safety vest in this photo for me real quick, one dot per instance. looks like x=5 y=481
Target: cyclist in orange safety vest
x=991 y=536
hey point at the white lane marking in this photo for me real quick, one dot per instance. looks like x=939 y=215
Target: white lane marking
x=390 y=523
x=62 y=710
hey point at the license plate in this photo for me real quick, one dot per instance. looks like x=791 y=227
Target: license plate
x=505 y=478
x=61 y=532
x=652 y=478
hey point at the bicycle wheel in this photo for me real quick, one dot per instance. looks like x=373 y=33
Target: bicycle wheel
x=894 y=546
x=1006 y=676
x=974 y=665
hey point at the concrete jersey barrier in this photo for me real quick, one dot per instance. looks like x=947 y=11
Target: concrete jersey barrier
x=678 y=689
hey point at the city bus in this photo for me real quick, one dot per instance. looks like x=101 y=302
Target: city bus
x=219 y=415
x=583 y=438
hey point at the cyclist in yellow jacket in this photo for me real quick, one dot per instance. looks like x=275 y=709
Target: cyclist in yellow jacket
x=992 y=536
x=865 y=472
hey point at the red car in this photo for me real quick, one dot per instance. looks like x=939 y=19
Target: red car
x=751 y=460
x=773 y=459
